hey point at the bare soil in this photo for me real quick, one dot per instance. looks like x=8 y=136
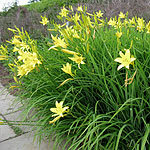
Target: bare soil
x=6 y=79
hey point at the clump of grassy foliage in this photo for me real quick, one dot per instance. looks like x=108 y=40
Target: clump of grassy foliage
x=108 y=107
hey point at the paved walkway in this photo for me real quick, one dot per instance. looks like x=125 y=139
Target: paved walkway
x=16 y=137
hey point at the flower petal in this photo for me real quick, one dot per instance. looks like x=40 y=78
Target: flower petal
x=54 y=110
x=118 y=60
x=132 y=59
x=55 y=119
x=57 y=104
x=65 y=108
x=127 y=54
x=120 y=66
x=127 y=66
x=121 y=54
x=82 y=62
x=61 y=103
x=55 y=115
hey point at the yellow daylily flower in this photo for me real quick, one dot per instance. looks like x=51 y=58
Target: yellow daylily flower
x=148 y=27
x=80 y=9
x=58 y=42
x=59 y=111
x=76 y=17
x=132 y=21
x=21 y=71
x=16 y=49
x=75 y=35
x=126 y=22
x=64 y=12
x=89 y=22
x=141 y=24
x=30 y=61
x=118 y=34
x=70 y=7
x=16 y=42
x=125 y=59
x=23 y=46
x=77 y=59
x=3 y=53
x=121 y=15
x=58 y=26
x=112 y=22
x=44 y=20
x=3 y=50
x=99 y=14
x=67 y=69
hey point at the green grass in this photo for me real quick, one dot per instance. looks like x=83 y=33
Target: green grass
x=49 y=4
x=45 y=5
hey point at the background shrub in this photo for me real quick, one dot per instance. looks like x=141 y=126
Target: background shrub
x=29 y=17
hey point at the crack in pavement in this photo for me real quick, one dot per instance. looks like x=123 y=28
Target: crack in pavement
x=14 y=137
x=13 y=128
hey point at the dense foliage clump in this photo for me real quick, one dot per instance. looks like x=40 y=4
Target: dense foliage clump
x=97 y=68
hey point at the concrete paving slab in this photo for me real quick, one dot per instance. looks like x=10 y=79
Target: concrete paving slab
x=15 y=116
x=7 y=105
x=6 y=102
x=6 y=132
x=4 y=106
x=25 y=142
x=3 y=90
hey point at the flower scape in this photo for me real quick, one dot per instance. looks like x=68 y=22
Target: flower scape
x=98 y=68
